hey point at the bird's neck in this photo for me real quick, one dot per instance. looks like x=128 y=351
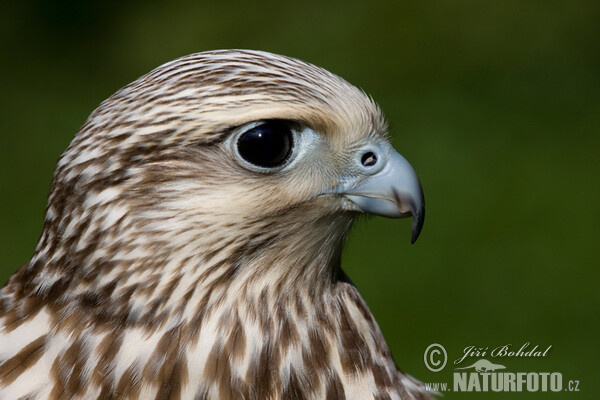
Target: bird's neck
x=153 y=276
x=272 y=306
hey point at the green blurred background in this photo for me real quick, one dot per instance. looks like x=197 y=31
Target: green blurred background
x=496 y=104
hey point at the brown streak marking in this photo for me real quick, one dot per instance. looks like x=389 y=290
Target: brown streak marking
x=334 y=388
x=266 y=375
x=294 y=390
x=381 y=396
x=217 y=369
x=354 y=354
x=129 y=385
x=162 y=364
x=77 y=356
x=106 y=353
x=59 y=380
x=289 y=333
x=381 y=376
x=236 y=344
x=12 y=368
x=319 y=349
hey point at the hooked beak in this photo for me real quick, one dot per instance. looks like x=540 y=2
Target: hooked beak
x=392 y=190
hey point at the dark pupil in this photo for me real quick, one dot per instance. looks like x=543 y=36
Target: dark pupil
x=266 y=145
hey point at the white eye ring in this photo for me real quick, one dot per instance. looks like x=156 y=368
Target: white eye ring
x=301 y=137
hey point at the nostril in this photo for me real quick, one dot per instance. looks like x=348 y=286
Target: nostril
x=369 y=159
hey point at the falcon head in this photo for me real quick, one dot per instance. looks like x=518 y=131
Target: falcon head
x=201 y=210
x=227 y=147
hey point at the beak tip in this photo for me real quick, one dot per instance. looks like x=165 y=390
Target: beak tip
x=417 y=226
x=417 y=209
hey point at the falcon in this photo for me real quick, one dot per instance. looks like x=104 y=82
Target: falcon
x=192 y=242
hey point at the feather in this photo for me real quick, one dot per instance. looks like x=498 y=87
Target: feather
x=170 y=267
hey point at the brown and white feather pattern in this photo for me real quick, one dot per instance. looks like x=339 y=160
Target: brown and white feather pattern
x=167 y=270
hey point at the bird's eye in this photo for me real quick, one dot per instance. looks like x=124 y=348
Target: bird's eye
x=267 y=145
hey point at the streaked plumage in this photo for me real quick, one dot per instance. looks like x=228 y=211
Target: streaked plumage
x=167 y=268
